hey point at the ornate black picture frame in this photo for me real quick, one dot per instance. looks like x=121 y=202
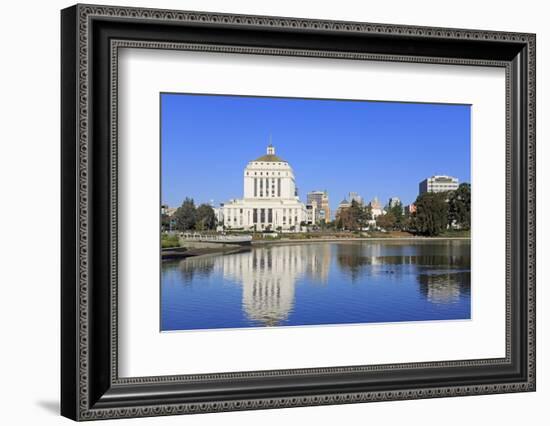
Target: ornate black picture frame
x=91 y=388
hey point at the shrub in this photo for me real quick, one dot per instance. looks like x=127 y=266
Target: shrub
x=169 y=241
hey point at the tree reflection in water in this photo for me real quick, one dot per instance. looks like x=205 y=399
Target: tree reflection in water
x=191 y=268
x=444 y=287
x=443 y=272
x=291 y=283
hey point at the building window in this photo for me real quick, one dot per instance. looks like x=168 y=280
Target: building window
x=255 y=216
x=255 y=187
x=262 y=215
x=270 y=215
x=279 y=187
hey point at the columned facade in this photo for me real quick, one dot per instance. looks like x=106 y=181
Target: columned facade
x=270 y=199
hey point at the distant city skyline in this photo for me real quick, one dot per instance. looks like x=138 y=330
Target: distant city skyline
x=375 y=149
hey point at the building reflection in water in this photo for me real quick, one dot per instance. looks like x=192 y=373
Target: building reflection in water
x=269 y=274
x=444 y=287
x=443 y=274
x=445 y=278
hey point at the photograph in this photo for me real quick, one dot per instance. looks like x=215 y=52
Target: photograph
x=279 y=211
x=265 y=209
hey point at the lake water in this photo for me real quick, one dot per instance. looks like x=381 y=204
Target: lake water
x=318 y=283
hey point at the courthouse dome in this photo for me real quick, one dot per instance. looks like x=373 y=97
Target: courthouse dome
x=270 y=157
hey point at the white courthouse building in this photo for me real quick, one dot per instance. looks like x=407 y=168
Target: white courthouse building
x=270 y=198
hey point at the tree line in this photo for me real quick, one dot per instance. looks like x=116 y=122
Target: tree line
x=435 y=213
x=189 y=217
x=438 y=211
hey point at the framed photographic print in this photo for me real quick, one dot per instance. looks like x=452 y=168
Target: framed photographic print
x=263 y=212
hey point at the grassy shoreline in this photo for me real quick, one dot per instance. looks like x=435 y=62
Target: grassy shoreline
x=180 y=253
x=339 y=239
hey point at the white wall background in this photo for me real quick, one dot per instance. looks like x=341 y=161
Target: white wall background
x=29 y=183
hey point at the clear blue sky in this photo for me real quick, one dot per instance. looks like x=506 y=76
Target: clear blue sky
x=378 y=149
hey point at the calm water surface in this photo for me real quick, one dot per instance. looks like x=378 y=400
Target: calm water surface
x=318 y=283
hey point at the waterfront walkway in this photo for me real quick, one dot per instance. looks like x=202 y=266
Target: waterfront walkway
x=220 y=239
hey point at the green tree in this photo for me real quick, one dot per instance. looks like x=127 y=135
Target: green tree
x=186 y=215
x=165 y=222
x=398 y=216
x=205 y=218
x=368 y=212
x=408 y=221
x=432 y=212
x=358 y=215
x=460 y=207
